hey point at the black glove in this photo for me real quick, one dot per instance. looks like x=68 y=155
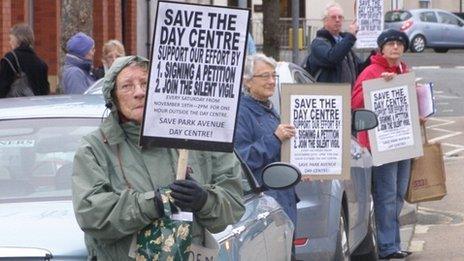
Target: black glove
x=188 y=194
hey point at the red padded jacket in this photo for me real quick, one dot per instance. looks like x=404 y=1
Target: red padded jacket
x=378 y=65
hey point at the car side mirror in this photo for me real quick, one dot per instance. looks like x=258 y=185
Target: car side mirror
x=362 y=120
x=279 y=175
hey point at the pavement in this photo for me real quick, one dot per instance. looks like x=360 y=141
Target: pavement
x=408 y=219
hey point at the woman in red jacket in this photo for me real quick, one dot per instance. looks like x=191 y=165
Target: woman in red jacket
x=390 y=180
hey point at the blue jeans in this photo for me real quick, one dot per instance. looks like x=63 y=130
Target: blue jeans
x=390 y=182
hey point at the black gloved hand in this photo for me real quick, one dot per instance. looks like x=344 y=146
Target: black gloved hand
x=188 y=194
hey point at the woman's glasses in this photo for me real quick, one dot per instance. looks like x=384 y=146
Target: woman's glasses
x=266 y=76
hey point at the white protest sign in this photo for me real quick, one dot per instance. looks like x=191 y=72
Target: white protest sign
x=195 y=76
x=392 y=108
x=318 y=120
x=370 y=20
x=321 y=116
x=397 y=137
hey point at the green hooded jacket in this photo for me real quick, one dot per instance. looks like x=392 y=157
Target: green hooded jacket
x=110 y=213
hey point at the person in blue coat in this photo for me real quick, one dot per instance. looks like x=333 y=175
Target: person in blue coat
x=259 y=134
x=77 y=76
x=251 y=46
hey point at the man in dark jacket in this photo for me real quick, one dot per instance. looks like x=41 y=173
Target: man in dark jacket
x=332 y=59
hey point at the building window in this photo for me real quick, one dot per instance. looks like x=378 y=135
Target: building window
x=424 y=3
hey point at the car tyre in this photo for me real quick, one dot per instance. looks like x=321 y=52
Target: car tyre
x=440 y=50
x=342 y=251
x=418 y=44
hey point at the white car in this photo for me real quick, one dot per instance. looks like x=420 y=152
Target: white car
x=38 y=139
x=95 y=88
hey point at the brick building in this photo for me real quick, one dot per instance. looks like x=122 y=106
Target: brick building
x=112 y=19
x=131 y=21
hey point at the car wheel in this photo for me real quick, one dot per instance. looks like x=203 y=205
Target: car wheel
x=367 y=250
x=342 y=251
x=440 y=50
x=418 y=44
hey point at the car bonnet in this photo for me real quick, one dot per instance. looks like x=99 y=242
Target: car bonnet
x=45 y=225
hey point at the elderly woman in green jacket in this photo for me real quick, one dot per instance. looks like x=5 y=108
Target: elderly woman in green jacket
x=115 y=181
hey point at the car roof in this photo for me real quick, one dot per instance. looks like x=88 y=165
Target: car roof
x=428 y=10
x=52 y=106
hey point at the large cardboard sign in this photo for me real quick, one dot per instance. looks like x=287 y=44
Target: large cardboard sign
x=321 y=114
x=397 y=137
x=370 y=20
x=195 y=76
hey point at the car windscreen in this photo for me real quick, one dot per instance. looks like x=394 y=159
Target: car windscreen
x=36 y=157
x=299 y=75
x=397 y=16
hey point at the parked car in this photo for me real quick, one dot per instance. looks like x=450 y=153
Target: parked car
x=38 y=138
x=96 y=87
x=434 y=28
x=335 y=217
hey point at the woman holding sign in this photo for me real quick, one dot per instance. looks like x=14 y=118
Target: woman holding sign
x=259 y=133
x=390 y=181
x=121 y=189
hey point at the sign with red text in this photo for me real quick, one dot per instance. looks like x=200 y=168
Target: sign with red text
x=195 y=76
x=321 y=116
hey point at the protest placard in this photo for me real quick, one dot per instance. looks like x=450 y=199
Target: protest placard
x=397 y=137
x=321 y=114
x=369 y=15
x=195 y=76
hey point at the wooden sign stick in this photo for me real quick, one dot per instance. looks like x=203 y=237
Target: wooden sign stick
x=182 y=164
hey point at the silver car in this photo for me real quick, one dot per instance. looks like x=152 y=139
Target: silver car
x=38 y=138
x=434 y=28
x=95 y=88
x=335 y=218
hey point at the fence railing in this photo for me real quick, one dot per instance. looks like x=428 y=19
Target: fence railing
x=284 y=28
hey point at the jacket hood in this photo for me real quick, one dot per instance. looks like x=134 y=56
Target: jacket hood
x=83 y=64
x=109 y=83
x=380 y=60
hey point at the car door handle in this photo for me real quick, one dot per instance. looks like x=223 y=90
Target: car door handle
x=263 y=215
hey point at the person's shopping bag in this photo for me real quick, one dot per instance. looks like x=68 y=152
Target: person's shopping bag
x=171 y=239
x=428 y=177
x=20 y=86
x=165 y=238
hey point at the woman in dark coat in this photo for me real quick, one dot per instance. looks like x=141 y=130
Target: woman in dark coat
x=21 y=42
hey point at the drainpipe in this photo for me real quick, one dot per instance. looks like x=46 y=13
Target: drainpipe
x=148 y=41
x=295 y=25
x=30 y=18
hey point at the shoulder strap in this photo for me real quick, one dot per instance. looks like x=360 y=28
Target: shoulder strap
x=17 y=61
x=318 y=73
x=12 y=66
x=117 y=151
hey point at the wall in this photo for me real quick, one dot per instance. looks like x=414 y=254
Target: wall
x=108 y=23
